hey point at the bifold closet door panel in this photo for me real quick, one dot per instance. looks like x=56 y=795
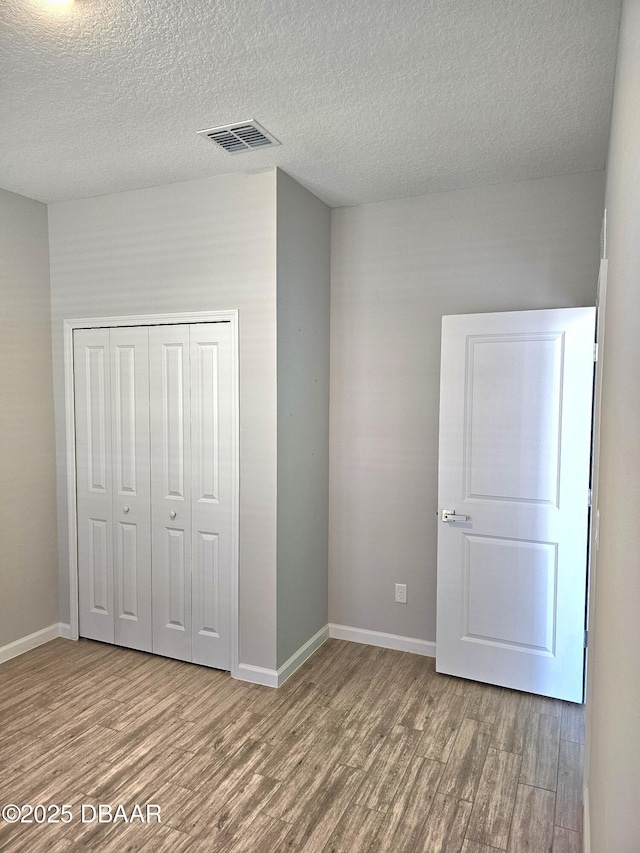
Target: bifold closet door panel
x=169 y=382
x=94 y=483
x=211 y=492
x=155 y=488
x=129 y=349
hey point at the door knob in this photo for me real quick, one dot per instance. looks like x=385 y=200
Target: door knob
x=450 y=515
x=125 y=509
x=173 y=513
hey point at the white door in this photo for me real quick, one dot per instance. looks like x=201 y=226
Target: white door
x=129 y=351
x=112 y=455
x=515 y=432
x=212 y=467
x=94 y=483
x=169 y=375
x=155 y=487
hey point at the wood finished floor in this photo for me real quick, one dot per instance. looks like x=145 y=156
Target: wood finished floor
x=362 y=750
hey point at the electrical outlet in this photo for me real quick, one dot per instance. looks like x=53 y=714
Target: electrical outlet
x=401 y=593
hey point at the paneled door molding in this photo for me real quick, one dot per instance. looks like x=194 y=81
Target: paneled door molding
x=69 y=326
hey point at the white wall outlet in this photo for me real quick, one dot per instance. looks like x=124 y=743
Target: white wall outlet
x=401 y=593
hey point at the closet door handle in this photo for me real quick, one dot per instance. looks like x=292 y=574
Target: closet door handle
x=173 y=513
x=125 y=509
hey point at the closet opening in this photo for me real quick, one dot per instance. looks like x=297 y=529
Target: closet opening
x=153 y=476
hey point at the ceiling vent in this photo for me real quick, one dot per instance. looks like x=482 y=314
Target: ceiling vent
x=243 y=136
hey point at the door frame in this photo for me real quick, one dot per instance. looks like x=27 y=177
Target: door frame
x=231 y=316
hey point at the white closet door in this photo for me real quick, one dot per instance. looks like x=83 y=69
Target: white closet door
x=169 y=381
x=211 y=492
x=94 y=483
x=131 y=486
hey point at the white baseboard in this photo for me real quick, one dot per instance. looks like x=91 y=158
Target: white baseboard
x=586 y=827
x=298 y=658
x=385 y=641
x=258 y=675
x=31 y=641
x=276 y=677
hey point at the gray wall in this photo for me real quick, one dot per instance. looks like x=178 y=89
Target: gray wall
x=194 y=246
x=613 y=707
x=28 y=558
x=303 y=272
x=397 y=267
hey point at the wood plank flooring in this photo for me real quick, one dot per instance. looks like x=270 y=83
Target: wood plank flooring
x=362 y=750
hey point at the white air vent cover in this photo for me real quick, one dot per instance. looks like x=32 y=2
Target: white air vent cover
x=243 y=136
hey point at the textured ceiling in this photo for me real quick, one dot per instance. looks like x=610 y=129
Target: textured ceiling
x=371 y=99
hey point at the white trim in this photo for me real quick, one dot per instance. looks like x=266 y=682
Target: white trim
x=304 y=652
x=385 y=641
x=586 y=826
x=277 y=677
x=257 y=675
x=70 y=431
x=32 y=641
x=65 y=630
x=231 y=316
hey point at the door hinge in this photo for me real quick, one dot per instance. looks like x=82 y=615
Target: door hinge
x=586 y=638
x=595 y=351
x=589 y=498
